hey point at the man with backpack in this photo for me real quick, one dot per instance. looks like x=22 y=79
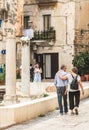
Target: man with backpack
x=74 y=90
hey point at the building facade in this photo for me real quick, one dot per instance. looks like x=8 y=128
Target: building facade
x=53 y=22
x=82 y=27
x=11 y=12
x=58 y=29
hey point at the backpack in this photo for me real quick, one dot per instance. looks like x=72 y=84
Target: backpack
x=74 y=84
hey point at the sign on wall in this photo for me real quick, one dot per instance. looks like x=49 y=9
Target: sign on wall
x=3 y=52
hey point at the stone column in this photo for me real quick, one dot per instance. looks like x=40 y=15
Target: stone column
x=10 y=66
x=25 y=88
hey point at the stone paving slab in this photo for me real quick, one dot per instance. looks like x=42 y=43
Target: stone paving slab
x=54 y=121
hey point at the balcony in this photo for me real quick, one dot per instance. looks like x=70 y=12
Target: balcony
x=41 y=38
x=45 y=35
x=46 y=2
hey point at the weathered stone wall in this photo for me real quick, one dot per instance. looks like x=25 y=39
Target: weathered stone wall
x=82 y=27
x=18 y=25
x=63 y=21
x=32 y=11
x=81 y=42
x=20 y=17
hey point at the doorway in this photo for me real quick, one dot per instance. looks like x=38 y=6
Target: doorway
x=49 y=64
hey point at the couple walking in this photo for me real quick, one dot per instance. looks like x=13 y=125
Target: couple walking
x=62 y=81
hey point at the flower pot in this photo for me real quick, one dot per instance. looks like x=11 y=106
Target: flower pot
x=83 y=78
x=2 y=82
x=86 y=77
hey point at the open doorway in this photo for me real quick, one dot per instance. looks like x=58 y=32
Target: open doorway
x=49 y=63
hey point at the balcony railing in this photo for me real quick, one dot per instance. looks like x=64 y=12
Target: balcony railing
x=45 y=35
x=46 y=2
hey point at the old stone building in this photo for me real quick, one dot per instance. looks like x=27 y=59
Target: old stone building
x=58 y=29
x=11 y=10
x=68 y=21
x=53 y=23
x=82 y=26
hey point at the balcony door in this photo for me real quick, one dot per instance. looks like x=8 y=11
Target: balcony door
x=46 y=22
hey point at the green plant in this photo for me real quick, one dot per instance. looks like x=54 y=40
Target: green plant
x=57 y=108
x=42 y=115
x=81 y=61
x=2 y=77
x=45 y=35
x=45 y=95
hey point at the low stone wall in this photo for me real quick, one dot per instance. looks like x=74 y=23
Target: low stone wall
x=37 y=89
x=17 y=113
x=41 y=88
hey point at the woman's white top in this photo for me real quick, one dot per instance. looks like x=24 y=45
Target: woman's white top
x=70 y=78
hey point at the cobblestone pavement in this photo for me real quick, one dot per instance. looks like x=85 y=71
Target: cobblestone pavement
x=54 y=121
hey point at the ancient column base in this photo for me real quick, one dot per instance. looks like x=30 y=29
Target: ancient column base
x=10 y=99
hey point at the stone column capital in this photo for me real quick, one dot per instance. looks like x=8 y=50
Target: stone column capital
x=10 y=32
x=25 y=41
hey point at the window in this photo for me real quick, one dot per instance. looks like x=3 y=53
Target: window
x=47 y=22
x=4 y=15
x=26 y=19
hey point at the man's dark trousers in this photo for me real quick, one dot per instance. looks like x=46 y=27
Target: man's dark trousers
x=61 y=95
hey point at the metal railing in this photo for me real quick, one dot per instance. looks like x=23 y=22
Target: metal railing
x=46 y=1
x=44 y=35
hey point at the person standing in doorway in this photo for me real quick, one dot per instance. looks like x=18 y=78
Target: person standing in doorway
x=37 y=73
x=61 y=86
x=31 y=72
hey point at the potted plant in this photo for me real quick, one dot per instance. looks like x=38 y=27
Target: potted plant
x=2 y=76
x=86 y=60
x=2 y=79
x=81 y=61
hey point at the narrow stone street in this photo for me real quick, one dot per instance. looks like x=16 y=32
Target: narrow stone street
x=54 y=121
